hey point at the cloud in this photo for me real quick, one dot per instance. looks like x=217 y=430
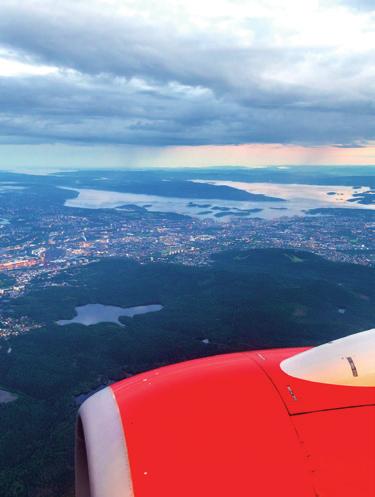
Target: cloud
x=360 y=4
x=175 y=73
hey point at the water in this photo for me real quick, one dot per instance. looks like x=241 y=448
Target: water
x=8 y=186
x=6 y=397
x=297 y=200
x=98 y=313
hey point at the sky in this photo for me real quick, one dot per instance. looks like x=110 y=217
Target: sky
x=130 y=83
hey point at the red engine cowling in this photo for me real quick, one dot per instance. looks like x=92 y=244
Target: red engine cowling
x=293 y=422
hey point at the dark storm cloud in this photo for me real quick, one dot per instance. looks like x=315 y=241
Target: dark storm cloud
x=126 y=79
x=57 y=110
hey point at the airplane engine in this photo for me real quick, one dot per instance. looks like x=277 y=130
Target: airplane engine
x=283 y=422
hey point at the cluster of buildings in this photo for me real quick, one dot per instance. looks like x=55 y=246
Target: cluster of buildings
x=10 y=326
x=49 y=246
x=20 y=263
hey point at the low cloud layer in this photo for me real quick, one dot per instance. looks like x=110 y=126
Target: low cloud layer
x=179 y=73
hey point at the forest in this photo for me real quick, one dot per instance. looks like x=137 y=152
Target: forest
x=243 y=300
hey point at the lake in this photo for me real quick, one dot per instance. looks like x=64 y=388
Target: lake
x=296 y=200
x=98 y=313
x=6 y=397
x=8 y=186
x=300 y=198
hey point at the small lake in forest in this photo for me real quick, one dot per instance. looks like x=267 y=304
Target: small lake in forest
x=98 y=313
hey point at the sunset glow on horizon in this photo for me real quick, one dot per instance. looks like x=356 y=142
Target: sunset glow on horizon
x=269 y=154
x=61 y=156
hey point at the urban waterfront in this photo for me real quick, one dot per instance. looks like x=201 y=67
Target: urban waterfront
x=41 y=236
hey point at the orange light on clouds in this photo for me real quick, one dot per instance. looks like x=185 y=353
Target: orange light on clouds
x=61 y=156
x=265 y=155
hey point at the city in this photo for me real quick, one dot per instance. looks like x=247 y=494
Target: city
x=34 y=252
